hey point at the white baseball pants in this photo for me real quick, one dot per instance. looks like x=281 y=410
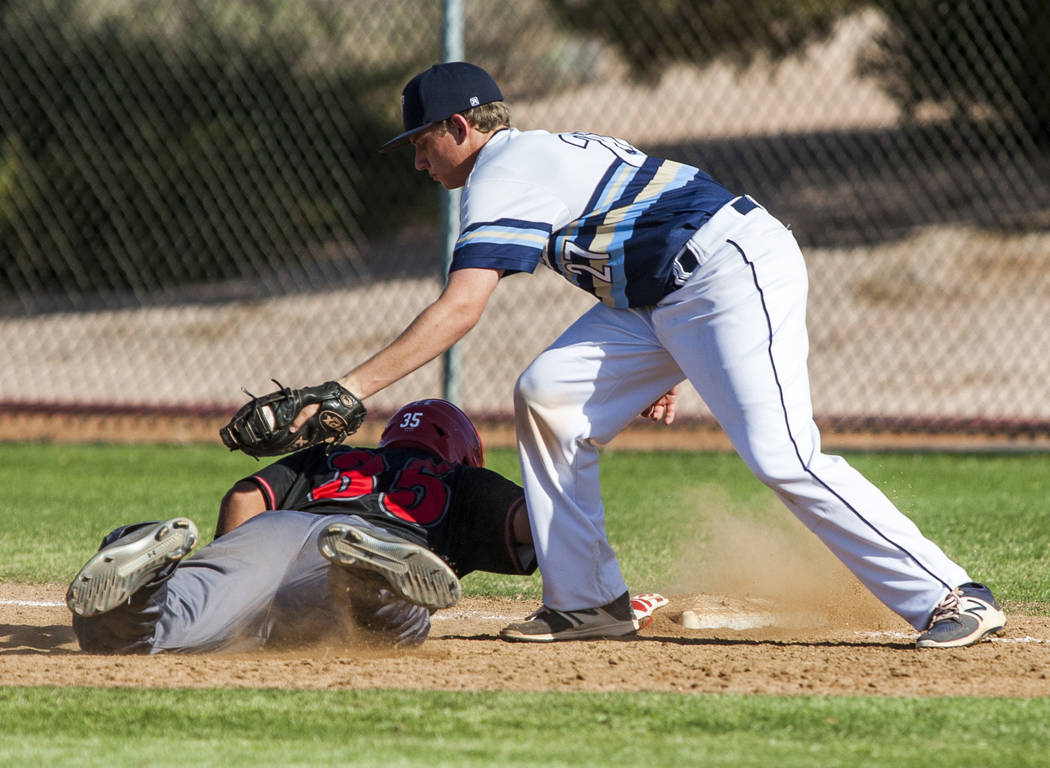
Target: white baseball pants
x=736 y=329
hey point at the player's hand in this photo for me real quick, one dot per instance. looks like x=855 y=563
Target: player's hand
x=309 y=410
x=304 y=414
x=664 y=408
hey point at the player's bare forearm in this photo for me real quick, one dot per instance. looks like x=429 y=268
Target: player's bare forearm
x=434 y=331
x=240 y=504
x=519 y=522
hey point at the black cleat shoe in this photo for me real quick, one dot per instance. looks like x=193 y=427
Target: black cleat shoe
x=615 y=619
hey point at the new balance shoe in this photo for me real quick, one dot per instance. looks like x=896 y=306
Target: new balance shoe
x=615 y=619
x=414 y=572
x=966 y=616
x=129 y=559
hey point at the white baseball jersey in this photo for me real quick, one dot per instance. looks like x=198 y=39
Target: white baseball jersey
x=694 y=284
x=602 y=214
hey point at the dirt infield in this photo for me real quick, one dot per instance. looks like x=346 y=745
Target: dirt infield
x=838 y=641
x=863 y=651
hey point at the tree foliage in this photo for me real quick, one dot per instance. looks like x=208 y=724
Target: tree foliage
x=983 y=56
x=652 y=35
x=989 y=56
x=201 y=146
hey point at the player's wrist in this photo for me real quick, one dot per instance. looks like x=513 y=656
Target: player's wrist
x=350 y=382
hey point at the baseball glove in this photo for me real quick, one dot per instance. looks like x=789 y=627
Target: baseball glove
x=261 y=427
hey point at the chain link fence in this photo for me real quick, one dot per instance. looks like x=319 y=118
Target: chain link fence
x=191 y=200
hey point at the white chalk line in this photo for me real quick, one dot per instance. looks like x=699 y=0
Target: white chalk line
x=435 y=617
x=493 y=617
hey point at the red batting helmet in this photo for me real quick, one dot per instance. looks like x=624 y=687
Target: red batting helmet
x=437 y=426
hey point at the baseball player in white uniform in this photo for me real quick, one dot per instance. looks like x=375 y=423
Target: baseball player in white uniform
x=692 y=282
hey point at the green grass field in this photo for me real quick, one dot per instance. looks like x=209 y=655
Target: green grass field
x=988 y=512
x=231 y=728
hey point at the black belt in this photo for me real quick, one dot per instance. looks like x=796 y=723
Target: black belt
x=687 y=259
x=744 y=205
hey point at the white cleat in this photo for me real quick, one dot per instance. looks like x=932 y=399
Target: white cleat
x=117 y=570
x=414 y=572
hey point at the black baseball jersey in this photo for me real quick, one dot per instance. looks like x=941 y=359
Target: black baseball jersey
x=460 y=512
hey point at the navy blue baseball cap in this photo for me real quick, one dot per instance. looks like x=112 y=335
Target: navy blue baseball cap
x=440 y=92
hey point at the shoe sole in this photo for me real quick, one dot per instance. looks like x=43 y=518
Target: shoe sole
x=116 y=572
x=962 y=642
x=415 y=573
x=621 y=631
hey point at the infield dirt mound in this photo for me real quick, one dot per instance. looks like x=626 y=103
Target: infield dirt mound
x=864 y=654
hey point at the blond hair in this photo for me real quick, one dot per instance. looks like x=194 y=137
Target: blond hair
x=486 y=118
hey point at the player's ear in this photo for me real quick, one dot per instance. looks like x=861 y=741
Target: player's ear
x=459 y=127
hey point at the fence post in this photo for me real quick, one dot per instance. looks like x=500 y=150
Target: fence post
x=452 y=44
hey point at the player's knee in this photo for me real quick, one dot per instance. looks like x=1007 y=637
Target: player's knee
x=396 y=621
x=376 y=609
x=545 y=404
x=528 y=390
x=129 y=628
x=543 y=385
x=538 y=408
